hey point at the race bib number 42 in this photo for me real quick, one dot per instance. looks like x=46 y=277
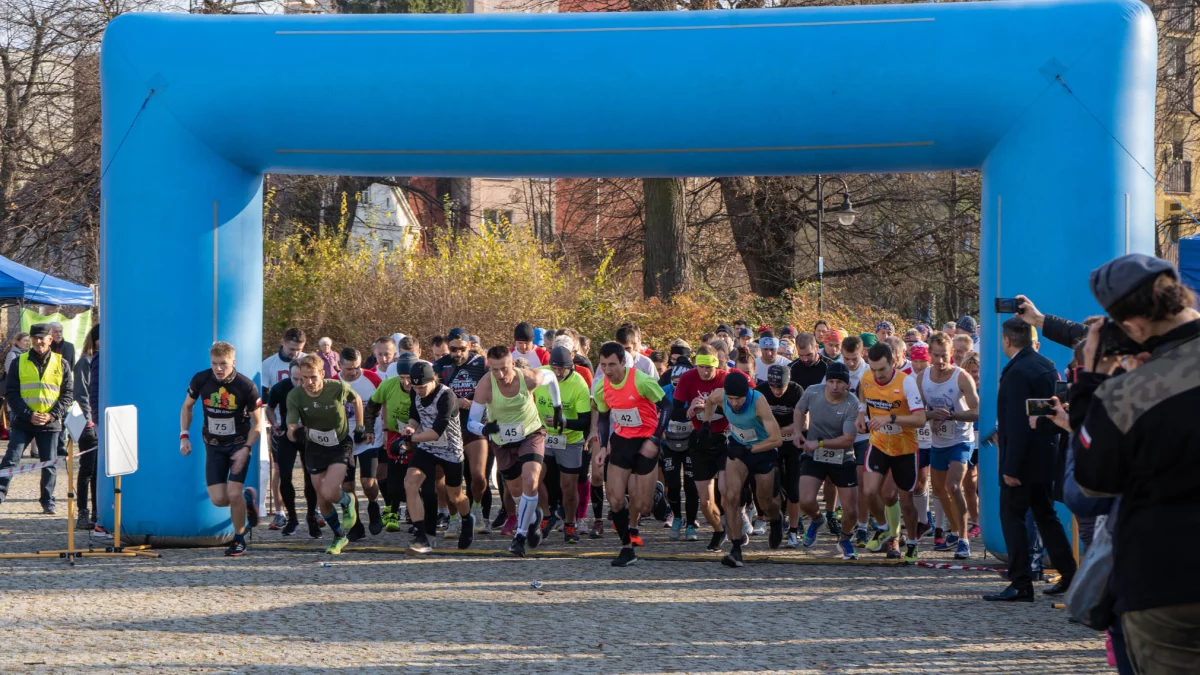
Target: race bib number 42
x=221 y=426
x=628 y=417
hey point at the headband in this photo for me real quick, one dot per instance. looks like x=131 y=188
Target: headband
x=706 y=360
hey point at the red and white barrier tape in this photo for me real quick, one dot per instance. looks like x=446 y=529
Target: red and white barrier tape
x=38 y=466
x=948 y=566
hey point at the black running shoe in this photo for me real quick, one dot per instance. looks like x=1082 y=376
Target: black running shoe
x=376 y=518
x=238 y=547
x=498 y=522
x=660 y=503
x=314 y=530
x=466 y=533
x=419 y=547
x=626 y=558
x=290 y=527
x=775 y=538
x=251 y=497
x=358 y=532
x=533 y=532
x=718 y=538
x=833 y=523
x=733 y=558
x=517 y=547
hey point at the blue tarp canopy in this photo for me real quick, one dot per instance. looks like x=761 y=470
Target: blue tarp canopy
x=18 y=282
x=1189 y=261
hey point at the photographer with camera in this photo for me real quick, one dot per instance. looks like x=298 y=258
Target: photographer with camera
x=1133 y=439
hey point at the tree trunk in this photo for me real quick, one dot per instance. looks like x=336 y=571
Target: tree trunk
x=765 y=237
x=666 y=268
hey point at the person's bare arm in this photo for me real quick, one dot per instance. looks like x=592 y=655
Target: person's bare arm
x=966 y=384
x=774 y=435
x=185 y=423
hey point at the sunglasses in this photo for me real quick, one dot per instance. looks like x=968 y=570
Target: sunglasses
x=457 y=350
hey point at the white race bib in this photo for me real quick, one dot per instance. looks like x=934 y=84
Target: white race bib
x=829 y=455
x=891 y=429
x=440 y=442
x=947 y=429
x=221 y=426
x=788 y=437
x=627 y=417
x=556 y=441
x=924 y=435
x=327 y=438
x=511 y=433
x=679 y=427
x=745 y=436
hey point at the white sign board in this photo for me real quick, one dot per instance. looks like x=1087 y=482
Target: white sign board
x=76 y=421
x=120 y=440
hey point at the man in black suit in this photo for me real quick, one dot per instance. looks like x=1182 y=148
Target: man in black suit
x=1027 y=465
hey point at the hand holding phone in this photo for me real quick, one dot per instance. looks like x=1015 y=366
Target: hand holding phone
x=1039 y=407
x=1008 y=305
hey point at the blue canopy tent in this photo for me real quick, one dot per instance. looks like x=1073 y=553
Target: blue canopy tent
x=18 y=282
x=1189 y=261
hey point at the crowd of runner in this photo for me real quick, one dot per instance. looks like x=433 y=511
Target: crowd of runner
x=869 y=439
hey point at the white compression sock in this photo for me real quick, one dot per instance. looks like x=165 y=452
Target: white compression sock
x=940 y=512
x=527 y=513
x=922 y=503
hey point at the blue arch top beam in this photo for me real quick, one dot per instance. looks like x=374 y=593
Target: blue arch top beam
x=1054 y=100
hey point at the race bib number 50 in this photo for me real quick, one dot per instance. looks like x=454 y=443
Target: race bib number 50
x=328 y=439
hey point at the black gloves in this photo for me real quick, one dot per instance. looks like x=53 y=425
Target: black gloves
x=490 y=428
x=360 y=435
x=559 y=420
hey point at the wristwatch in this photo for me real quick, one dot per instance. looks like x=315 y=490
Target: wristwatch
x=893 y=418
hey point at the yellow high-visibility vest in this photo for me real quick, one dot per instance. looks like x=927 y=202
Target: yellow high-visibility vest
x=40 y=392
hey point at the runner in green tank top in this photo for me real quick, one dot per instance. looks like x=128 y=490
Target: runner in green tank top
x=516 y=429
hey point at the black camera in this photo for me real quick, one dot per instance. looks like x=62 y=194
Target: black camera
x=1115 y=342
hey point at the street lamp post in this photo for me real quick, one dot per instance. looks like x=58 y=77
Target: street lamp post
x=845 y=216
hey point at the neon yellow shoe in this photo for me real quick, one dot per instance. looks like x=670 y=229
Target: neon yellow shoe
x=391 y=520
x=350 y=512
x=336 y=547
x=877 y=541
x=910 y=554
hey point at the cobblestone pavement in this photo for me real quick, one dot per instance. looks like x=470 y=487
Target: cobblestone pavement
x=278 y=611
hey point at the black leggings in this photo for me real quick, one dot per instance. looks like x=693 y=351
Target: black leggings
x=396 y=494
x=285 y=456
x=553 y=486
x=86 y=480
x=485 y=500
x=674 y=468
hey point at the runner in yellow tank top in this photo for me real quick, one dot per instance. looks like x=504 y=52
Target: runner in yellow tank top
x=515 y=428
x=892 y=409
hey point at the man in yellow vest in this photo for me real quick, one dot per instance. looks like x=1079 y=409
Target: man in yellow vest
x=39 y=390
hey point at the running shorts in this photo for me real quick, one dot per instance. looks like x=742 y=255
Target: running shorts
x=512 y=456
x=844 y=475
x=626 y=453
x=428 y=464
x=902 y=467
x=218 y=464
x=318 y=458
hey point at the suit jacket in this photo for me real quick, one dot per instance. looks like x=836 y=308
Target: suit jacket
x=1028 y=455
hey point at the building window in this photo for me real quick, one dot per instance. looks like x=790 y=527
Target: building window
x=543 y=225
x=494 y=218
x=387 y=202
x=385 y=245
x=364 y=197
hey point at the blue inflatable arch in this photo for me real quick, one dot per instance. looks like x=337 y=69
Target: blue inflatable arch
x=1053 y=100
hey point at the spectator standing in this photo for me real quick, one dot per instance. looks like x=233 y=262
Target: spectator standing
x=87 y=385
x=329 y=358
x=61 y=346
x=1134 y=438
x=967 y=326
x=1028 y=460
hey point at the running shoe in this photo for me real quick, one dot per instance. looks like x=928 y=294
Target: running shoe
x=670 y=521
x=452 y=528
x=745 y=539
x=533 y=534
x=690 y=533
x=357 y=533
x=443 y=520
x=759 y=528
x=938 y=535
x=625 y=558
x=314 y=530
x=350 y=512
x=676 y=529
x=910 y=554
x=391 y=520
x=569 y=534
x=834 y=523
x=278 y=522
x=964 y=550
x=814 y=528
x=848 y=551
x=893 y=548
x=635 y=537
x=733 y=558
x=481 y=523
x=597 y=529
x=510 y=526
x=236 y=547
x=337 y=545
x=321 y=522
x=718 y=539
x=877 y=541
x=402 y=515
x=776 y=536
x=100 y=533
x=660 y=508
x=938 y=543
x=290 y=527
x=466 y=533
x=81 y=521
x=861 y=537
x=973 y=531
x=559 y=518
x=375 y=518
x=501 y=518
x=793 y=540
x=517 y=547
x=251 y=497
x=418 y=547
x=550 y=524
x=950 y=543
x=922 y=530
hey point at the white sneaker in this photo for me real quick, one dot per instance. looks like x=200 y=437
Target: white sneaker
x=452 y=528
x=760 y=528
x=747 y=527
x=481 y=524
x=793 y=541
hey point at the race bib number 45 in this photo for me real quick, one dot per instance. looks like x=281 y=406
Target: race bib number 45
x=628 y=417
x=221 y=426
x=511 y=433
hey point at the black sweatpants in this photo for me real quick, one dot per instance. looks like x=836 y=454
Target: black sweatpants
x=1014 y=502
